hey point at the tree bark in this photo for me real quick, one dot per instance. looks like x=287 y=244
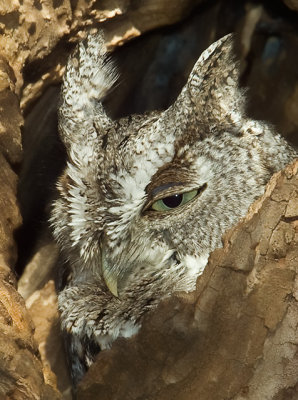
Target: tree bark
x=21 y=373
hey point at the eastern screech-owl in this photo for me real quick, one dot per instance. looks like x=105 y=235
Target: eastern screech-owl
x=143 y=200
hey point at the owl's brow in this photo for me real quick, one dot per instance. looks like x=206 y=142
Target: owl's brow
x=164 y=187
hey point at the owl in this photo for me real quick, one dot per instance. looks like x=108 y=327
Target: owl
x=143 y=200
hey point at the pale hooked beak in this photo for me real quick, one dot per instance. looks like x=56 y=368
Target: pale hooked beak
x=110 y=274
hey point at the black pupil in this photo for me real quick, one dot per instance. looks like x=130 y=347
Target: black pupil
x=173 y=201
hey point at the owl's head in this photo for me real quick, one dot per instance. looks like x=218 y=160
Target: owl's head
x=153 y=193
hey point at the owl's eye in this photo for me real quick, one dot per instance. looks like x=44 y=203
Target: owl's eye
x=171 y=202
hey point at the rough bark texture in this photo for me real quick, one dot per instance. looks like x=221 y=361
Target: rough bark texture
x=21 y=375
x=236 y=335
x=10 y=154
x=42 y=305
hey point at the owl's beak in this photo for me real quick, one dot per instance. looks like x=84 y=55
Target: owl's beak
x=109 y=274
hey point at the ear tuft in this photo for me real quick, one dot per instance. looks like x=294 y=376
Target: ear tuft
x=213 y=85
x=89 y=75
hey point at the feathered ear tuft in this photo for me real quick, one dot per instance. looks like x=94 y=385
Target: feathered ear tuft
x=214 y=82
x=213 y=86
x=88 y=77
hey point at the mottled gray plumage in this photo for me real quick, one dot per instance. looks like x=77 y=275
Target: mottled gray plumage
x=123 y=255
